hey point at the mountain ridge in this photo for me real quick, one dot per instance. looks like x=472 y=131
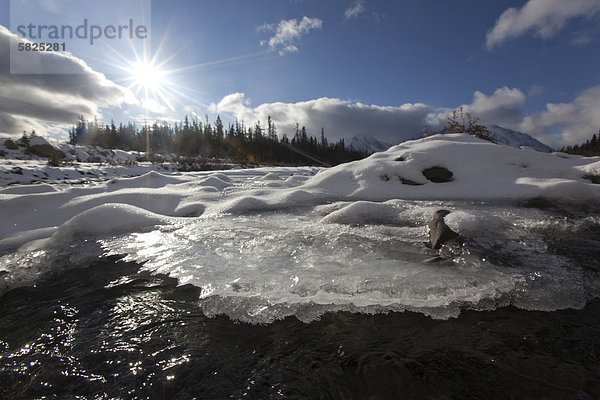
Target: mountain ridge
x=516 y=139
x=368 y=144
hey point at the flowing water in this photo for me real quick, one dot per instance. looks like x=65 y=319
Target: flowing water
x=335 y=301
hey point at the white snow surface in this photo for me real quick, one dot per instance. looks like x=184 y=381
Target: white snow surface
x=267 y=243
x=481 y=171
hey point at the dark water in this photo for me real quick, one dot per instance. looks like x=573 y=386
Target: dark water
x=109 y=331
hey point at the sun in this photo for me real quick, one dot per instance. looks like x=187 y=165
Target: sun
x=147 y=76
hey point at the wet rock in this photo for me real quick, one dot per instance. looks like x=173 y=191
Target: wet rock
x=593 y=178
x=439 y=232
x=538 y=202
x=438 y=174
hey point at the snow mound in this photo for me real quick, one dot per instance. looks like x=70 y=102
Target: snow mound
x=480 y=170
x=360 y=212
x=297 y=179
x=107 y=218
x=215 y=182
x=28 y=189
x=151 y=179
x=271 y=176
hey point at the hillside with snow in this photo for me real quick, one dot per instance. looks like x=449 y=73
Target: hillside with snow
x=367 y=144
x=516 y=139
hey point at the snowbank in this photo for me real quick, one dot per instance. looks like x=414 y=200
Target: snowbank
x=45 y=160
x=480 y=171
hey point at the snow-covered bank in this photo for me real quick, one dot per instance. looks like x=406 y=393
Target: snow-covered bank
x=24 y=172
x=41 y=160
x=270 y=242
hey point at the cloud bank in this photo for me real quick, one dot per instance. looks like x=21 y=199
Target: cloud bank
x=545 y=18
x=339 y=118
x=30 y=101
x=559 y=124
x=503 y=107
x=287 y=33
x=574 y=122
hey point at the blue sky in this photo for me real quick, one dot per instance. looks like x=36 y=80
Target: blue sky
x=383 y=68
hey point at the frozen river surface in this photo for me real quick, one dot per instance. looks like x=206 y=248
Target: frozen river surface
x=303 y=283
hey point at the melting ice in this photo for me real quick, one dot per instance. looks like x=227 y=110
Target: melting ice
x=263 y=266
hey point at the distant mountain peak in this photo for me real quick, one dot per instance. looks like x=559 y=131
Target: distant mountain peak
x=516 y=139
x=367 y=144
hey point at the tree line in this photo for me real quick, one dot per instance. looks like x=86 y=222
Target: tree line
x=193 y=138
x=591 y=147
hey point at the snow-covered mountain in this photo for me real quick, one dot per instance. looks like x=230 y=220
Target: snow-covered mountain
x=516 y=139
x=367 y=144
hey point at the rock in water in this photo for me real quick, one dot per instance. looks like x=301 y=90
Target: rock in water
x=439 y=232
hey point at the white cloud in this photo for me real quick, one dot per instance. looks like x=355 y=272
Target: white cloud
x=288 y=49
x=288 y=32
x=576 y=122
x=582 y=40
x=153 y=106
x=558 y=125
x=355 y=10
x=339 y=118
x=536 y=90
x=503 y=107
x=43 y=102
x=542 y=17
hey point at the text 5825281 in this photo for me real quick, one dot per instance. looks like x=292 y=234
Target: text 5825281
x=33 y=46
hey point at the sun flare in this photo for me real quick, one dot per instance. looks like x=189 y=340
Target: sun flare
x=146 y=76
